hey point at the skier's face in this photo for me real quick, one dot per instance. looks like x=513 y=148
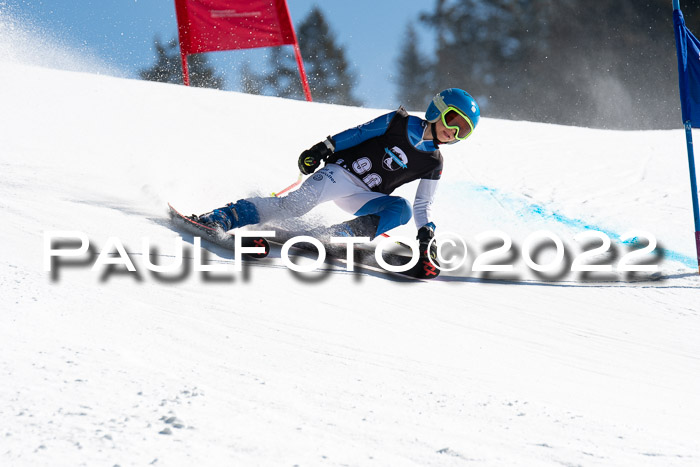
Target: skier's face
x=444 y=134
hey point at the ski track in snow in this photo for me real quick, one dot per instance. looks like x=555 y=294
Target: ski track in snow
x=329 y=368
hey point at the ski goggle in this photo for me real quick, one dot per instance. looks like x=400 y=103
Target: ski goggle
x=454 y=119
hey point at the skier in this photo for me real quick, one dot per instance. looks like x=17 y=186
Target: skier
x=363 y=166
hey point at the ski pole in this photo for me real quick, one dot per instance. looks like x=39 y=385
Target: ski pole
x=293 y=185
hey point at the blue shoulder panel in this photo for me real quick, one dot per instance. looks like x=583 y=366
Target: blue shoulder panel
x=359 y=134
x=377 y=127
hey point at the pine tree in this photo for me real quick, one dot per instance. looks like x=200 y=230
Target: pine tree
x=168 y=67
x=251 y=83
x=483 y=45
x=203 y=75
x=284 y=81
x=328 y=71
x=607 y=64
x=414 y=81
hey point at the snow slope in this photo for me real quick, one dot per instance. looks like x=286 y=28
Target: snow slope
x=269 y=367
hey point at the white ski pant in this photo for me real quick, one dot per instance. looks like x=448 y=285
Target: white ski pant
x=333 y=183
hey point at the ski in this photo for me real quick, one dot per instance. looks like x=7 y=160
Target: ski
x=364 y=257
x=218 y=237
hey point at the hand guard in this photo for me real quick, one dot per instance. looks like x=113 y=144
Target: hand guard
x=311 y=159
x=425 y=235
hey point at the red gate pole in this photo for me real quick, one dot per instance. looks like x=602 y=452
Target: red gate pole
x=185 y=68
x=302 y=72
x=182 y=35
x=300 y=61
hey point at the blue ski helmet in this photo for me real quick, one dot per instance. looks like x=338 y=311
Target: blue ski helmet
x=453 y=97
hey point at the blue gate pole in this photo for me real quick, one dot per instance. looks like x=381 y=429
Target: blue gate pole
x=693 y=187
x=687 y=124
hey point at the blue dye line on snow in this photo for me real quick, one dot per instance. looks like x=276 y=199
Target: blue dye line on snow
x=525 y=208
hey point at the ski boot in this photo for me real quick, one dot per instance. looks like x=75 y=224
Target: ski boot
x=363 y=226
x=231 y=216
